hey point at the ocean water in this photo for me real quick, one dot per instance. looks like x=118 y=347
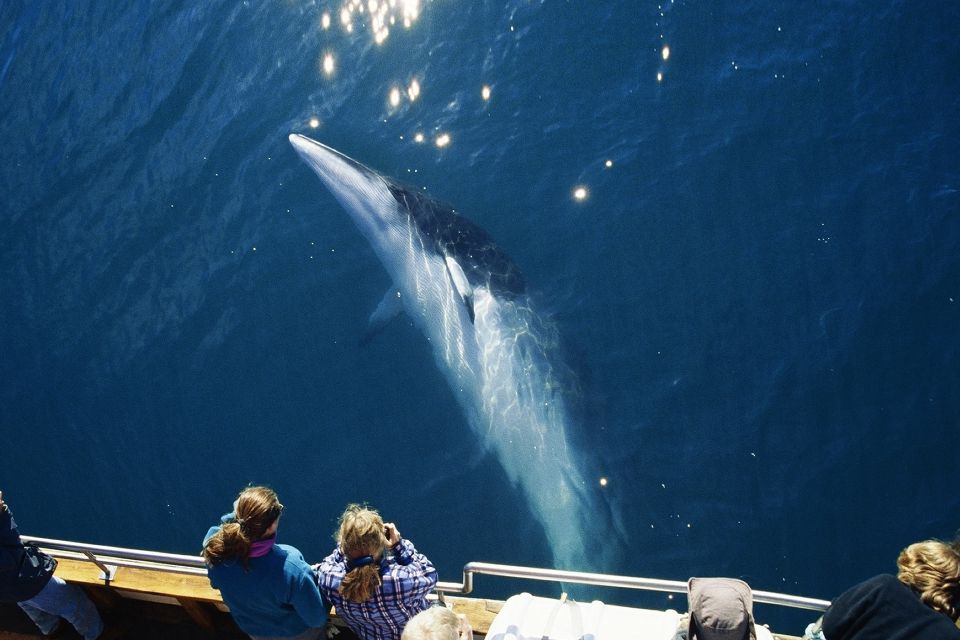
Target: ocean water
x=759 y=293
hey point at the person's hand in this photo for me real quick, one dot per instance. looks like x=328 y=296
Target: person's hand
x=393 y=536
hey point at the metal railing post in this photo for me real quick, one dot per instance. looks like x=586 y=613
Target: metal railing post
x=107 y=571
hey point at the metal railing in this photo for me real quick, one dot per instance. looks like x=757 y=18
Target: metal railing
x=609 y=580
x=109 y=558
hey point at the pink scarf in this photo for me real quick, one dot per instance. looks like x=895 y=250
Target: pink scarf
x=261 y=548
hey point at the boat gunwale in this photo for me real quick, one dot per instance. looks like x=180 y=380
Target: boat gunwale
x=194 y=565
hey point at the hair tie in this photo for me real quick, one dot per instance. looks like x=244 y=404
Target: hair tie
x=232 y=517
x=362 y=561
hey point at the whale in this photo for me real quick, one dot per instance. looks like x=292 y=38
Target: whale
x=500 y=358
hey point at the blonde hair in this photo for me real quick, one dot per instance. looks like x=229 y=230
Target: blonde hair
x=361 y=533
x=932 y=568
x=255 y=509
x=435 y=623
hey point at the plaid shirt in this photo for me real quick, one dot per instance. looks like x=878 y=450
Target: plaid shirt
x=407 y=579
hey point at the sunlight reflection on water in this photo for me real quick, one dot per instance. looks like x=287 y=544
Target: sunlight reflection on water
x=382 y=15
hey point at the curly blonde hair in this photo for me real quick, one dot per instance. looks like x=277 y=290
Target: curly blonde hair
x=361 y=533
x=932 y=569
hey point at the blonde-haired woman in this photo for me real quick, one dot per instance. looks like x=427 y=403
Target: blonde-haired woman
x=932 y=569
x=375 y=592
x=922 y=601
x=269 y=587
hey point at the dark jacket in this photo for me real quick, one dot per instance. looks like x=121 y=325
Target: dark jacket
x=24 y=569
x=883 y=608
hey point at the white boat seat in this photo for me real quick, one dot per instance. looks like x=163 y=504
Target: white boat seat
x=528 y=617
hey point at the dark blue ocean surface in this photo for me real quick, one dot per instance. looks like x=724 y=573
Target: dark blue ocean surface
x=759 y=292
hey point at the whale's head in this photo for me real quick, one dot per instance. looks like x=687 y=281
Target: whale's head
x=364 y=193
x=390 y=214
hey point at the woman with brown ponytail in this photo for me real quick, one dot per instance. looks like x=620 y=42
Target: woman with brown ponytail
x=375 y=592
x=269 y=587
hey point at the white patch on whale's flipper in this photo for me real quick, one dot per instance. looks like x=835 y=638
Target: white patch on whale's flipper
x=389 y=308
x=461 y=284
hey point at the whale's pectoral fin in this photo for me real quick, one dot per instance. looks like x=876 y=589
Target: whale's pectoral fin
x=388 y=309
x=461 y=284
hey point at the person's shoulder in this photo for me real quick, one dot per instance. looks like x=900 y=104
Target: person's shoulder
x=333 y=564
x=288 y=553
x=287 y=549
x=6 y=516
x=413 y=571
x=9 y=534
x=880 y=585
x=882 y=580
x=334 y=557
x=885 y=591
x=293 y=560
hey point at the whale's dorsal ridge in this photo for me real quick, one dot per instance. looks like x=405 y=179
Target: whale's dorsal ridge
x=481 y=260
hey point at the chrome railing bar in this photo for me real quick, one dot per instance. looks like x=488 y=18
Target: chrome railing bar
x=118 y=552
x=134 y=564
x=787 y=600
x=179 y=563
x=609 y=580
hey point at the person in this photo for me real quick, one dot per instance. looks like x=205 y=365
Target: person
x=27 y=578
x=922 y=601
x=720 y=609
x=437 y=623
x=269 y=587
x=375 y=593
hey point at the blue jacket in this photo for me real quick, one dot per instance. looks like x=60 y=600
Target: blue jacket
x=275 y=595
x=24 y=570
